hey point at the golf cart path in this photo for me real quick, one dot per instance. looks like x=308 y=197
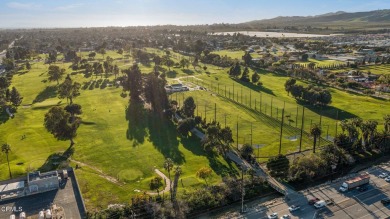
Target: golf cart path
x=166 y=179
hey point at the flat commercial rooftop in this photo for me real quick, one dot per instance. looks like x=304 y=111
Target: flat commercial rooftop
x=67 y=196
x=11 y=186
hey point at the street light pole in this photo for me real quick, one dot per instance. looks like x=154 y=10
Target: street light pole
x=242 y=190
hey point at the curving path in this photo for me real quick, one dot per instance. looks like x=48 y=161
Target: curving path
x=167 y=180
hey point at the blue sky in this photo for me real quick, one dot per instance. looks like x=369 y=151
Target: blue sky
x=92 y=13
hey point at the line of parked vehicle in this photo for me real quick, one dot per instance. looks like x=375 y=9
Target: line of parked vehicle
x=358 y=183
x=316 y=202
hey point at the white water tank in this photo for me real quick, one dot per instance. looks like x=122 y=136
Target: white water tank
x=12 y=216
x=22 y=215
x=41 y=215
x=48 y=213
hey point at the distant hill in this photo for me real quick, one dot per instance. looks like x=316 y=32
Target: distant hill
x=340 y=18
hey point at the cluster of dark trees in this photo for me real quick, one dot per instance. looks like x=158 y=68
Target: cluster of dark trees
x=190 y=203
x=235 y=72
x=312 y=94
x=357 y=137
x=63 y=122
x=217 y=60
x=148 y=88
x=9 y=98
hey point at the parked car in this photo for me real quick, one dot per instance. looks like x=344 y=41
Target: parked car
x=294 y=208
x=383 y=175
x=273 y=216
x=385 y=201
x=313 y=201
x=320 y=204
x=387 y=179
x=286 y=216
x=362 y=188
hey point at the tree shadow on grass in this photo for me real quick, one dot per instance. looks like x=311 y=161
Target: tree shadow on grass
x=48 y=92
x=193 y=144
x=219 y=168
x=137 y=117
x=163 y=135
x=255 y=87
x=4 y=117
x=328 y=111
x=57 y=160
x=188 y=71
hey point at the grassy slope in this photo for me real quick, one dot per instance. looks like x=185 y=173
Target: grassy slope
x=347 y=105
x=101 y=142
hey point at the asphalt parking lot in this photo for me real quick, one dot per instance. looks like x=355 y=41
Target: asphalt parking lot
x=67 y=197
x=348 y=205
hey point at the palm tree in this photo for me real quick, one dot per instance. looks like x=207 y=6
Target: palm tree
x=315 y=131
x=168 y=165
x=178 y=172
x=6 y=148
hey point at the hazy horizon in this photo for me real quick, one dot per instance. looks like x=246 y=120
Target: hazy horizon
x=101 y=13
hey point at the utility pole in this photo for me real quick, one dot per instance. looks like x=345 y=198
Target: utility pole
x=319 y=139
x=337 y=119
x=251 y=135
x=296 y=119
x=237 y=133
x=225 y=120
x=255 y=105
x=271 y=105
x=303 y=119
x=242 y=190
x=241 y=94
x=261 y=95
x=205 y=117
x=233 y=91
x=250 y=99
x=281 y=133
x=215 y=112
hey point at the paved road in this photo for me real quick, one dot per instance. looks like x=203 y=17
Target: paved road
x=352 y=204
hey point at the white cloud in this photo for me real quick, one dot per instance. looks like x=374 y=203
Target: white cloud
x=68 y=7
x=18 y=5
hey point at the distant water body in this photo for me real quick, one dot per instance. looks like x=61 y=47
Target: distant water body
x=276 y=34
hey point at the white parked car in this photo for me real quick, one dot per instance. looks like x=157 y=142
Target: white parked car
x=286 y=216
x=294 y=208
x=387 y=179
x=273 y=216
x=383 y=175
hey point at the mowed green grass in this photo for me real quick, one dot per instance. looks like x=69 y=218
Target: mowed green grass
x=101 y=143
x=344 y=105
x=265 y=131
